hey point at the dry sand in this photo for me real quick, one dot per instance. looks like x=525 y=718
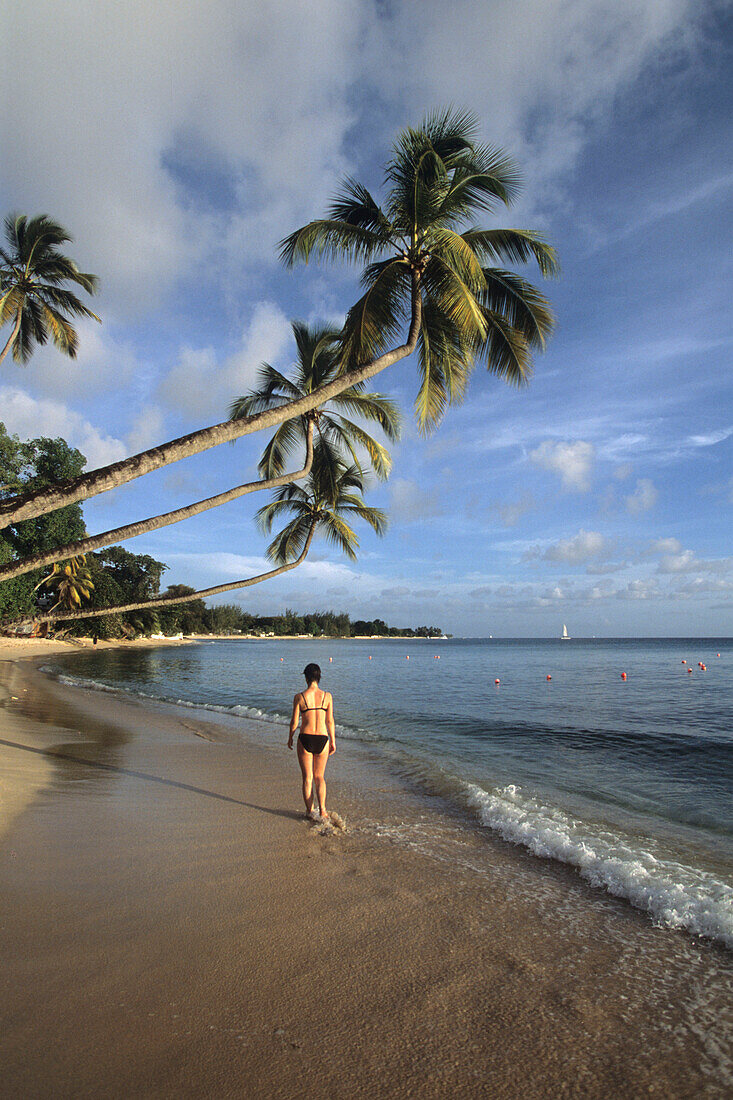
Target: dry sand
x=171 y=926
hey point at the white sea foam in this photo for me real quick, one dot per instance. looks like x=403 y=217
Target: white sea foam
x=674 y=895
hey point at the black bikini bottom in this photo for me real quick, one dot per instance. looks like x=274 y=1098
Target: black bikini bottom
x=314 y=743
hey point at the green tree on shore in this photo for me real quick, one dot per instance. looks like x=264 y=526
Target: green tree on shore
x=33 y=298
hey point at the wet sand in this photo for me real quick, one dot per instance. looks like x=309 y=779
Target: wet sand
x=170 y=926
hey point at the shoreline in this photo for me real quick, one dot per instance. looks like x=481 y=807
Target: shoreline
x=435 y=979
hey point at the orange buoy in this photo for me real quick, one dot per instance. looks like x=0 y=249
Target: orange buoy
x=370 y=656
x=330 y=658
x=623 y=675
x=684 y=662
x=549 y=677
x=497 y=681
x=407 y=658
x=689 y=670
x=717 y=654
x=704 y=668
x=282 y=658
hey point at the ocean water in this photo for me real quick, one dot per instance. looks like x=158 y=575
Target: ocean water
x=630 y=781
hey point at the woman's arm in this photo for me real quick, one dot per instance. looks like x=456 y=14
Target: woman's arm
x=295 y=720
x=330 y=726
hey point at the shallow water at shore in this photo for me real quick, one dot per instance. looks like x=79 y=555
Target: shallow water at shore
x=629 y=782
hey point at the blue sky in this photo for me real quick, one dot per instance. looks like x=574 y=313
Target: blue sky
x=180 y=141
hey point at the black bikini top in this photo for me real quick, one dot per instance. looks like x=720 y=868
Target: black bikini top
x=322 y=706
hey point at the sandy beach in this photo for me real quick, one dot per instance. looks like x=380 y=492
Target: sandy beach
x=171 y=925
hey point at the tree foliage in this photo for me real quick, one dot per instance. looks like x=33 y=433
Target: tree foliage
x=438 y=180
x=33 y=297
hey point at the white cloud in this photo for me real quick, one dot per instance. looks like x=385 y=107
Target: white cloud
x=156 y=92
x=512 y=512
x=709 y=439
x=639 y=590
x=583 y=547
x=202 y=387
x=687 y=562
x=409 y=503
x=572 y=462
x=666 y=546
x=263 y=97
x=27 y=417
x=549 y=68
x=102 y=363
x=146 y=430
x=643 y=498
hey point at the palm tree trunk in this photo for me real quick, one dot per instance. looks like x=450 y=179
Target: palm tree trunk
x=29 y=505
x=131 y=530
x=167 y=601
x=13 y=334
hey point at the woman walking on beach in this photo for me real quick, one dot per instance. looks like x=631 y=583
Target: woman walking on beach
x=313 y=711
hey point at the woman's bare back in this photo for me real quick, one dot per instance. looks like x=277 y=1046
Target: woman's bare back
x=313 y=705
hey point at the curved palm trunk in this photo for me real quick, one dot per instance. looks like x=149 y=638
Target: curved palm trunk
x=131 y=530
x=13 y=334
x=37 y=503
x=167 y=601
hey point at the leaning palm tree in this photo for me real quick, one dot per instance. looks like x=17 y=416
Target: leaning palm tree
x=320 y=506
x=325 y=504
x=424 y=270
x=421 y=242
x=317 y=363
x=32 y=297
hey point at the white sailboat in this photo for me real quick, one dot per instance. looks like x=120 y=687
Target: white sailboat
x=565 y=637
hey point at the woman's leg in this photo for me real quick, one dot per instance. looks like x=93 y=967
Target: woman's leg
x=305 y=759
x=319 y=768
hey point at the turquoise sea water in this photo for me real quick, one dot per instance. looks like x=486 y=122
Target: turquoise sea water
x=629 y=781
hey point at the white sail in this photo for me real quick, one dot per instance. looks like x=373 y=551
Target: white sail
x=565 y=636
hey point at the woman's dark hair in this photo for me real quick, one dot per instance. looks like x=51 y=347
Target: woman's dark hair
x=312 y=672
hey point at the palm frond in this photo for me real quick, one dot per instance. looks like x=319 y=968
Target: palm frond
x=456 y=254
x=349 y=433
x=375 y=408
x=62 y=333
x=514 y=245
x=338 y=533
x=445 y=361
x=330 y=239
x=454 y=297
x=374 y=321
x=354 y=205
x=505 y=351
x=288 y=544
x=521 y=304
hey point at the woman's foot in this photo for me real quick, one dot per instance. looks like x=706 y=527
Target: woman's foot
x=325 y=815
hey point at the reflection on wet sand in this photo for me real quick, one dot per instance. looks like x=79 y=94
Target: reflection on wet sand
x=36 y=708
